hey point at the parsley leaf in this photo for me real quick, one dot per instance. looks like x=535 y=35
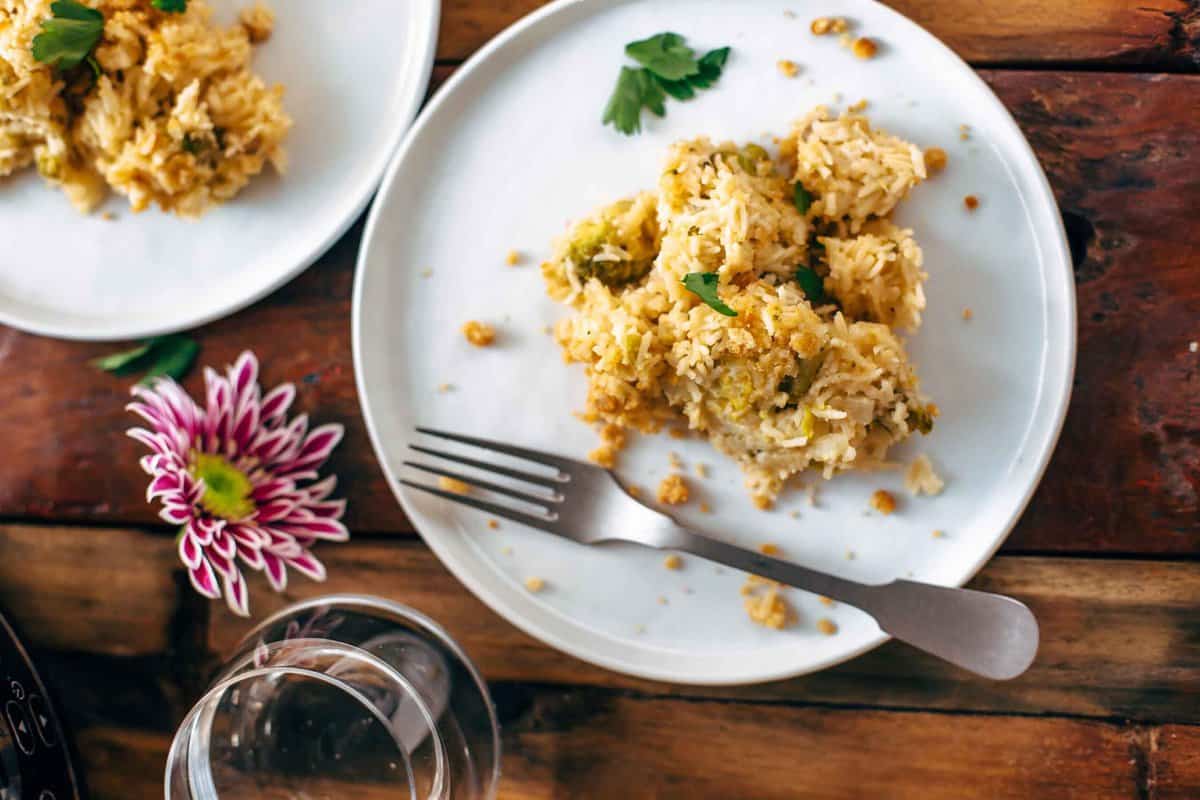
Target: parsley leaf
x=665 y=55
x=669 y=68
x=711 y=64
x=813 y=285
x=68 y=37
x=170 y=355
x=624 y=109
x=802 y=198
x=704 y=286
x=171 y=6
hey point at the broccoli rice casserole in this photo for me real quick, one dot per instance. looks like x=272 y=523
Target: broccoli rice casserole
x=147 y=98
x=759 y=297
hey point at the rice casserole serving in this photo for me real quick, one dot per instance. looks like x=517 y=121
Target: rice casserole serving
x=760 y=298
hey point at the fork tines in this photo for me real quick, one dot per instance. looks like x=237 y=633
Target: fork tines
x=543 y=501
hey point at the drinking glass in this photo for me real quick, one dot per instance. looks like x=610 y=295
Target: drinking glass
x=339 y=697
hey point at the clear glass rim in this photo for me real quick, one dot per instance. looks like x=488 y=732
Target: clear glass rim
x=412 y=615
x=185 y=732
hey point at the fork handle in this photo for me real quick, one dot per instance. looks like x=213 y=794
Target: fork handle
x=988 y=634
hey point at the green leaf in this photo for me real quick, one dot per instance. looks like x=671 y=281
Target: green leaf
x=652 y=94
x=813 y=286
x=680 y=90
x=704 y=286
x=173 y=357
x=802 y=198
x=710 y=66
x=624 y=107
x=170 y=6
x=68 y=37
x=70 y=9
x=665 y=55
x=162 y=355
x=124 y=361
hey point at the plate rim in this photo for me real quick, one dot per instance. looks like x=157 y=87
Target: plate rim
x=427 y=15
x=1065 y=350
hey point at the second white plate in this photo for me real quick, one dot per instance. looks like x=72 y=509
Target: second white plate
x=512 y=148
x=355 y=74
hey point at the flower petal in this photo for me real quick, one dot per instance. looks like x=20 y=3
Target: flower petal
x=244 y=373
x=205 y=580
x=321 y=490
x=329 y=509
x=277 y=402
x=224 y=566
x=175 y=514
x=316 y=448
x=162 y=485
x=252 y=557
x=276 y=572
x=236 y=595
x=329 y=529
x=189 y=551
x=224 y=544
x=307 y=564
x=275 y=510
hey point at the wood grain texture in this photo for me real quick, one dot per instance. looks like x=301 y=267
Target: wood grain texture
x=1150 y=33
x=1119 y=638
x=591 y=745
x=105 y=590
x=1121 y=152
x=582 y=745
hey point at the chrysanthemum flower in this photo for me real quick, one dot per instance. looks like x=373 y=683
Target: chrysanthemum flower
x=240 y=478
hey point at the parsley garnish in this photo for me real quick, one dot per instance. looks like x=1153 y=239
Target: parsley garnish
x=68 y=37
x=170 y=355
x=665 y=55
x=812 y=284
x=802 y=198
x=170 y=6
x=704 y=286
x=669 y=67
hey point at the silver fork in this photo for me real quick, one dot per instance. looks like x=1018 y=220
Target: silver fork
x=988 y=634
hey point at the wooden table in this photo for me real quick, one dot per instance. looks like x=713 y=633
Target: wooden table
x=1108 y=554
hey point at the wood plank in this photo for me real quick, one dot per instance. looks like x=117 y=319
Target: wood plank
x=1119 y=150
x=110 y=591
x=601 y=745
x=1152 y=33
x=1118 y=638
x=1173 y=763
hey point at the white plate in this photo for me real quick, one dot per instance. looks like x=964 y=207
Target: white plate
x=353 y=87
x=512 y=148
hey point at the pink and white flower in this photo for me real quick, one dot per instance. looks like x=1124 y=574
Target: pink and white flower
x=240 y=478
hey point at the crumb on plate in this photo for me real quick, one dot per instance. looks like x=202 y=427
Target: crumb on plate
x=673 y=562
x=787 y=68
x=971 y=202
x=705 y=508
x=259 y=21
x=762 y=502
x=701 y=470
x=857 y=107
x=534 y=584
x=883 y=501
x=827 y=626
x=935 y=160
x=673 y=490
x=513 y=258
x=453 y=485
x=674 y=460
x=920 y=477
x=864 y=48
x=939 y=534
x=769 y=608
x=967 y=314
x=825 y=601
x=478 y=333
x=769 y=549
x=634 y=490
x=494 y=524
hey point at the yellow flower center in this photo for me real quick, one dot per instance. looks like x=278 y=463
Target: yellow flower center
x=226 y=488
